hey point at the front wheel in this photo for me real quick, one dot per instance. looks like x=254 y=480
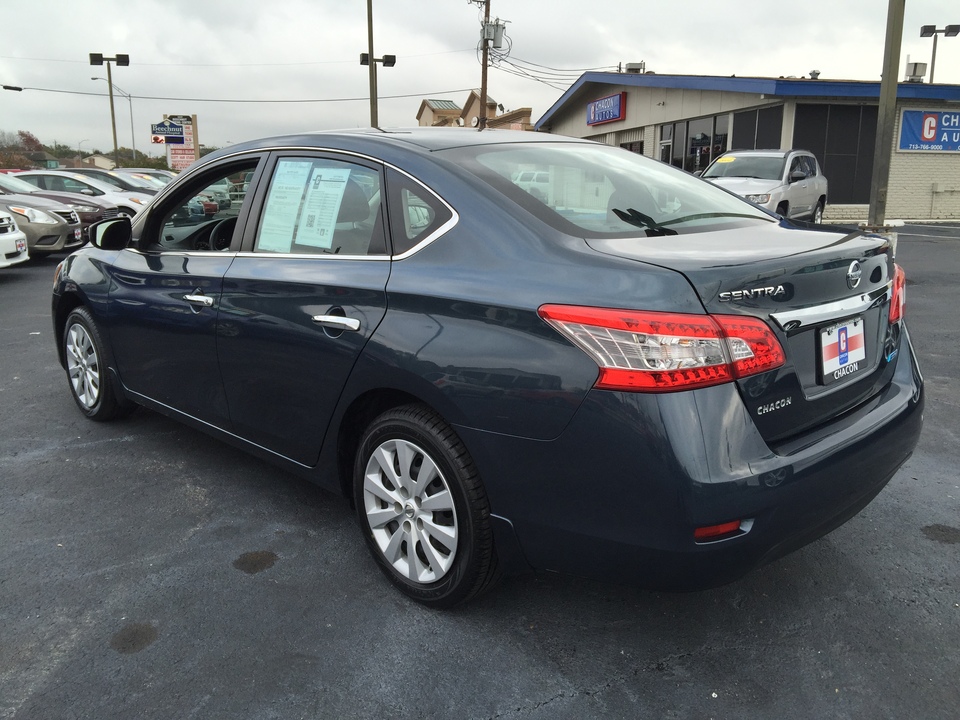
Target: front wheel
x=83 y=351
x=422 y=508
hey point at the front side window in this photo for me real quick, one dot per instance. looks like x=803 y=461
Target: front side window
x=201 y=215
x=319 y=206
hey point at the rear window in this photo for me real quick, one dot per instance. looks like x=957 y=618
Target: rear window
x=596 y=191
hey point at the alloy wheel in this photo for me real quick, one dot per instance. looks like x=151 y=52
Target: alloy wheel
x=410 y=510
x=83 y=366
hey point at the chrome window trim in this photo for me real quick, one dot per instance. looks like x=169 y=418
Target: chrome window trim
x=311 y=256
x=435 y=235
x=816 y=314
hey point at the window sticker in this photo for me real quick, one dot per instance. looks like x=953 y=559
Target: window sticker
x=318 y=217
x=279 y=225
x=726 y=159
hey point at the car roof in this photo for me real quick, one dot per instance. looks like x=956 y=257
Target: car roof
x=767 y=153
x=418 y=139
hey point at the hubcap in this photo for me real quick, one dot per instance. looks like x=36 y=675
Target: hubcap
x=83 y=366
x=410 y=511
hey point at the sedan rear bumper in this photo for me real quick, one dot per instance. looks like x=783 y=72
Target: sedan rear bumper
x=619 y=494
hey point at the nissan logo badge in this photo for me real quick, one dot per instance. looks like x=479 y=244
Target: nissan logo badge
x=853 y=275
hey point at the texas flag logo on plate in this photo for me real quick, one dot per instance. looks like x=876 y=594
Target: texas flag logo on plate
x=842 y=349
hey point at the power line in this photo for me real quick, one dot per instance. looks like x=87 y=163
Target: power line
x=226 y=65
x=248 y=101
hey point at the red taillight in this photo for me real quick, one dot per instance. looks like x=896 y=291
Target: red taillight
x=898 y=298
x=712 y=532
x=661 y=352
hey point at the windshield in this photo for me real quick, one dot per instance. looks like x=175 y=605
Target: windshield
x=12 y=184
x=596 y=191
x=749 y=166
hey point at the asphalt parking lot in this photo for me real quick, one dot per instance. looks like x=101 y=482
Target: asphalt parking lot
x=151 y=572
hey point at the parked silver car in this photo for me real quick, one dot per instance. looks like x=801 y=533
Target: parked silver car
x=128 y=203
x=787 y=182
x=50 y=226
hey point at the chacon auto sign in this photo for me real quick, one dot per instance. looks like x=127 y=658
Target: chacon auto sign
x=607 y=109
x=930 y=131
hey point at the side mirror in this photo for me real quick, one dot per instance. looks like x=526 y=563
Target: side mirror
x=797 y=175
x=112 y=234
x=87 y=191
x=697 y=173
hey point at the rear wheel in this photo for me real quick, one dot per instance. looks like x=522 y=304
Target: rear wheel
x=818 y=213
x=422 y=508
x=90 y=385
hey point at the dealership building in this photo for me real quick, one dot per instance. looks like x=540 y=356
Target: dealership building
x=688 y=120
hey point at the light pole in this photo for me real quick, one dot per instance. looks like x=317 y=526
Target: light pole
x=124 y=93
x=933 y=31
x=121 y=61
x=367 y=58
x=80 y=152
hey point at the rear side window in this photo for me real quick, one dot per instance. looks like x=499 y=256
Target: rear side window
x=416 y=214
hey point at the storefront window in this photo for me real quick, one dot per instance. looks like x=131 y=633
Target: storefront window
x=679 y=143
x=720 y=131
x=700 y=134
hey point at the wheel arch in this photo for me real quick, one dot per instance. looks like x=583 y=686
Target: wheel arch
x=358 y=415
x=67 y=303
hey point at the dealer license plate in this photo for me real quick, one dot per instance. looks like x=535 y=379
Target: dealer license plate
x=842 y=350
x=77 y=234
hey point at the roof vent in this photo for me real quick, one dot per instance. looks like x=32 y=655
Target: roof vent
x=814 y=74
x=915 y=72
x=638 y=68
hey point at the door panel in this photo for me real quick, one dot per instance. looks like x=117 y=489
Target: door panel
x=165 y=344
x=282 y=370
x=300 y=305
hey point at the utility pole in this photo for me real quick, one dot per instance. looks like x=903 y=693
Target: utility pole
x=121 y=61
x=367 y=58
x=886 y=116
x=374 y=120
x=482 y=120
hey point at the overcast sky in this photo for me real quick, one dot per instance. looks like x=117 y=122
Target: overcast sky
x=188 y=55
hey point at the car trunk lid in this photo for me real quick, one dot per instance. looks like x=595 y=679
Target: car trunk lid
x=824 y=293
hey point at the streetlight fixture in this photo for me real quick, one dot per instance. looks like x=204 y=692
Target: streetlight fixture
x=367 y=58
x=121 y=61
x=933 y=31
x=124 y=93
x=80 y=152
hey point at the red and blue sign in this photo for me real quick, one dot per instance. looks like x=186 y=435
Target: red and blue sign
x=930 y=131
x=607 y=109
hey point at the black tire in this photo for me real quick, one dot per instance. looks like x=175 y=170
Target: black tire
x=817 y=217
x=782 y=209
x=125 y=212
x=438 y=535
x=87 y=374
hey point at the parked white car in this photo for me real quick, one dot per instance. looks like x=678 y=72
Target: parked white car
x=787 y=182
x=128 y=202
x=13 y=243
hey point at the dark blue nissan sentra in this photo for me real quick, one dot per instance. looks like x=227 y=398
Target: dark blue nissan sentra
x=624 y=372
